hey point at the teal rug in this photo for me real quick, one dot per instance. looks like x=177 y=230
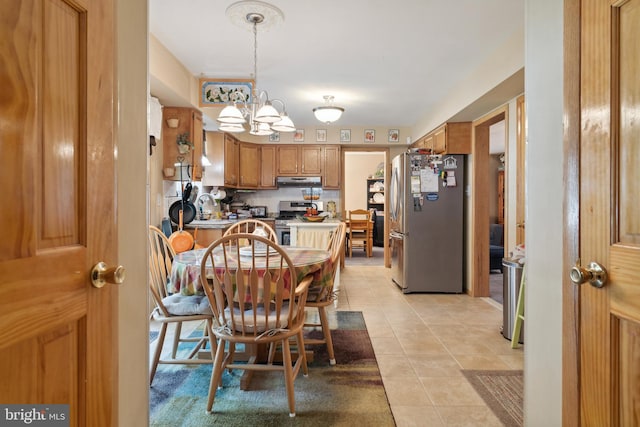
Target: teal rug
x=349 y=393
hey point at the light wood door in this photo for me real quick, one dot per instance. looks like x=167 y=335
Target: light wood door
x=249 y=159
x=311 y=158
x=58 y=333
x=331 y=169
x=268 y=166
x=288 y=160
x=608 y=319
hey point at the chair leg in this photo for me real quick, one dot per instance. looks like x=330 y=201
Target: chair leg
x=288 y=375
x=324 y=321
x=176 y=339
x=158 y=352
x=216 y=375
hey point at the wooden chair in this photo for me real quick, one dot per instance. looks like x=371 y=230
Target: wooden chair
x=248 y=225
x=174 y=308
x=326 y=296
x=360 y=230
x=254 y=322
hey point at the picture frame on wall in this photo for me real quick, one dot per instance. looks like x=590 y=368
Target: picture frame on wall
x=321 y=135
x=369 y=135
x=298 y=135
x=221 y=91
x=394 y=135
x=274 y=137
x=345 y=135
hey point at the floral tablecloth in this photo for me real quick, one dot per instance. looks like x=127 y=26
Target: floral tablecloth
x=185 y=272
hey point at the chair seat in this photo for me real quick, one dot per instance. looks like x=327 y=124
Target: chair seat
x=262 y=324
x=182 y=305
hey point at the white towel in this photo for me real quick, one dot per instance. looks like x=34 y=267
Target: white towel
x=313 y=238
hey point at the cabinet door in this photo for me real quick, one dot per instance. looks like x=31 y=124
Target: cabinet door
x=249 y=168
x=231 y=152
x=288 y=161
x=196 y=137
x=268 y=166
x=331 y=170
x=311 y=160
x=440 y=140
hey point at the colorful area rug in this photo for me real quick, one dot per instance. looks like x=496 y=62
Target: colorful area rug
x=349 y=393
x=502 y=391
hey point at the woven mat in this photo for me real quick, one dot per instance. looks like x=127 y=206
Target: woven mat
x=502 y=391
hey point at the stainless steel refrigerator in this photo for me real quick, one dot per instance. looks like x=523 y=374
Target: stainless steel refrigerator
x=427 y=222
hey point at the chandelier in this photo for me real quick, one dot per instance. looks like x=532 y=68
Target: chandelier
x=328 y=113
x=261 y=115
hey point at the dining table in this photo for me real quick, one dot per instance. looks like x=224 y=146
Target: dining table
x=186 y=271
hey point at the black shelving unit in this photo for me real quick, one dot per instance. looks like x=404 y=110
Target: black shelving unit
x=371 y=185
x=378 y=228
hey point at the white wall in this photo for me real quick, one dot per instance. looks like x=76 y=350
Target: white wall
x=358 y=166
x=544 y=105
x=131 y=164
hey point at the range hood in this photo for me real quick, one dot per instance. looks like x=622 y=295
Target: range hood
x=299 y=181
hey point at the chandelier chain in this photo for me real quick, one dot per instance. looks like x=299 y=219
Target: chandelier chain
x=255 y=57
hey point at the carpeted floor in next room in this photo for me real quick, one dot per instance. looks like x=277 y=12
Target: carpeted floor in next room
x=424 y=342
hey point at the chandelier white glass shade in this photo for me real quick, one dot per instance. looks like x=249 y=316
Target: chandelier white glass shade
x=328 y=113
x=261 y=115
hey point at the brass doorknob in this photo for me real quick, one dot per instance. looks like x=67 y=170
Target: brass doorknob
x=101 y=275
x=595 y=274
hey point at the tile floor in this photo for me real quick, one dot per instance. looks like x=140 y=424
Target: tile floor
x=422 y=342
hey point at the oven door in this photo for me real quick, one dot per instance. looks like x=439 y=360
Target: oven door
x=284 y=235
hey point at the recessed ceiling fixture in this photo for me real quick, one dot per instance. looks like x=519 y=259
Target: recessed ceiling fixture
x=328 y=113
x=263 y=118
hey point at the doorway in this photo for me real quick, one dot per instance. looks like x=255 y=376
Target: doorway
x=362 y=170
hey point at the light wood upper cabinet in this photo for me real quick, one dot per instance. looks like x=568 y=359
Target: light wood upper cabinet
x=189 y=121
x=331 y=174
x=223 y=153
x=450 y=138
x=231 y=161
x=268 y=167
x=288 y=160
x=300 y=160
x=311 y=159
x=249 y=165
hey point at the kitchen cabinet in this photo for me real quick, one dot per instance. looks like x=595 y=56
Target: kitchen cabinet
x=331 y=170
x=450 y=138
x=299 y=160
x=375 y=194
x=190 y=122
x=248 y=165
x=268 y=167
x=223 y=151
x=206 y=236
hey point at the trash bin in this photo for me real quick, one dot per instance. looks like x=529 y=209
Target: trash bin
x=512 y=277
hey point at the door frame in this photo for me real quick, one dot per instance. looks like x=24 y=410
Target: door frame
x=387 y=177
x=479 y=286
x=571 y=213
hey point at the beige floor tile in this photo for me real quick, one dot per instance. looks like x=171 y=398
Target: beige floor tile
x=515 y=361
x=468 y=416
x=422 y=345
x=416 y=416
x=386 y=345
x=406 y=391
x=395 y=366
x=436 y=365
x=443 y=391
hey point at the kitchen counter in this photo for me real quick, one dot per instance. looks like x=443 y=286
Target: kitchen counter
x=210 y=223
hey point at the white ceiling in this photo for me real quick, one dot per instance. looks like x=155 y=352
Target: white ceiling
x=387 y=63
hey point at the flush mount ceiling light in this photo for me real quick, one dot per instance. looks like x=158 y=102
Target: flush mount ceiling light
x=328 y=113
x=261 y=115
